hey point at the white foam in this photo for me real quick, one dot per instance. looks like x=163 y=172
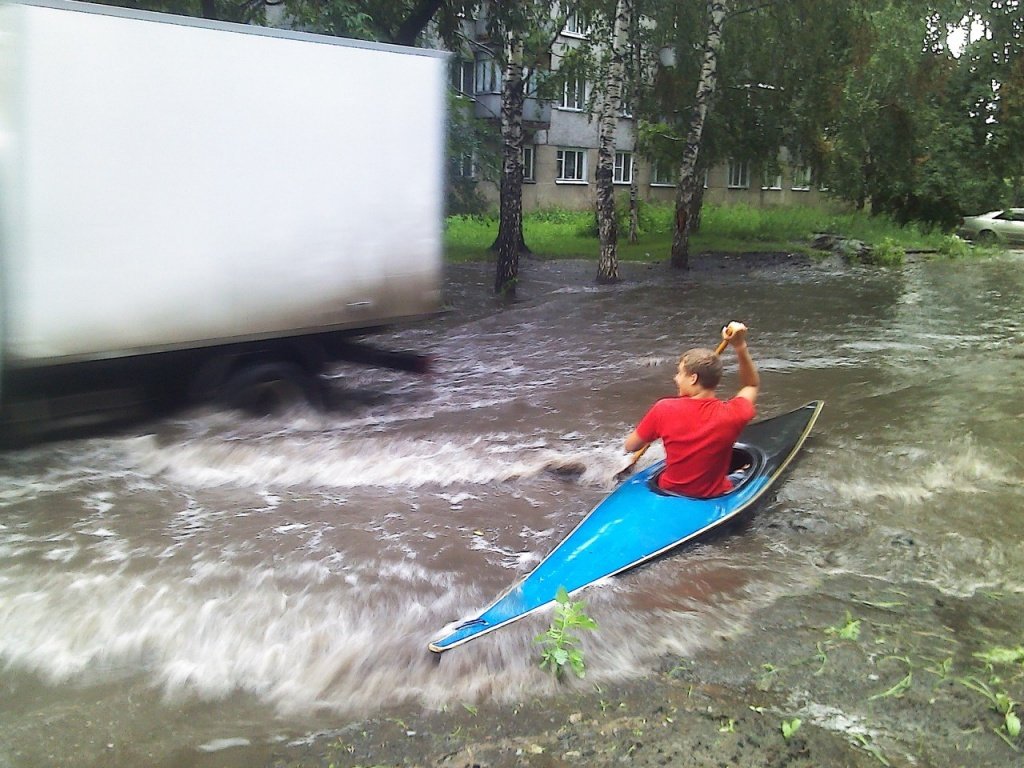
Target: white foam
x=962 y=468
x=343 y=462
x=218 y=745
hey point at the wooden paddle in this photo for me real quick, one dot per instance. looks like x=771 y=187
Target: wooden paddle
x=638 y=454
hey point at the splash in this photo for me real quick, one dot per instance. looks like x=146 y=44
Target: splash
x=285 y=461
x=963 y=468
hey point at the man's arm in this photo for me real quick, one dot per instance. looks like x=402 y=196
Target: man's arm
x=634 y=442
x=750 y=380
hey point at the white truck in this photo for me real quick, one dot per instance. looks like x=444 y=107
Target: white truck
x=205 y=208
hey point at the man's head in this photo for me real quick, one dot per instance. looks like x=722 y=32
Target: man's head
x=699 y=369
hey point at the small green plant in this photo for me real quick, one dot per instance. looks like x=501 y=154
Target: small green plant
x=767 y=678
x=865 y=743
x=1002 y=655
x=821 y=656
x=559 y=643
x=902 y=686
x=897 y=690
x=1000 y=701
x=942 y=669
x=790 y=727
x=850 y=629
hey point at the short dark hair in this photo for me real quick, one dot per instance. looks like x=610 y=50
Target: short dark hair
x=706 y=364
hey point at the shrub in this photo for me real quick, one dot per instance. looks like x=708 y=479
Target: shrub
x=953 y=247
x=888 y=253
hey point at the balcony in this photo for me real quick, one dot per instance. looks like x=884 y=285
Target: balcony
x=536 y=113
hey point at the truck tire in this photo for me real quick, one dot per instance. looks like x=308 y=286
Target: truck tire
x=269 y=387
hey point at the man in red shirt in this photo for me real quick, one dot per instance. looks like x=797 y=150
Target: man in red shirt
x=697 y=429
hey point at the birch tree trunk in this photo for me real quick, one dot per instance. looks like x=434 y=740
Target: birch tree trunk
x=611 y=104
x=510 y=229
x=706 y=86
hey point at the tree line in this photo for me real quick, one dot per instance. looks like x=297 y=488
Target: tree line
x=908 y=108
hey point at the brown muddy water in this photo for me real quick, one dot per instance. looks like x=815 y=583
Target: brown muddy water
x=218 y=590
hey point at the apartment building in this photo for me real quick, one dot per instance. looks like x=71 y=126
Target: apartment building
x=561 y=139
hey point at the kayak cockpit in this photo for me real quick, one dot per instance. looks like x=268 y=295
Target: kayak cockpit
x=747 y=463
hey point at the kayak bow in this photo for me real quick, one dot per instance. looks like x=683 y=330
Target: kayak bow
x=638 y=522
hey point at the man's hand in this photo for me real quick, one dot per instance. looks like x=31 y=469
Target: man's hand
x=736 y=334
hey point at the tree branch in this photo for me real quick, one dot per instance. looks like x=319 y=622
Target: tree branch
x=416 y=21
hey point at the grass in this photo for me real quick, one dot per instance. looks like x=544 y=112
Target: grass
x=729 y=229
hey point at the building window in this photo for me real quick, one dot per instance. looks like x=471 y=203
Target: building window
x=623 y=172
x=575 y=26
x=662 y=175
x=529 y=163
x=488 y=76
x=739 y=175
x=771 y=181
x=530 y=83
x=572 y=166
x=626 y=104
x=802 y=178
x=461 y=77
x=463 y=166
x=574 y=94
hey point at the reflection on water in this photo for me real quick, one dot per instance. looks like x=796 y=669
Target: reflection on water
x=299 y=565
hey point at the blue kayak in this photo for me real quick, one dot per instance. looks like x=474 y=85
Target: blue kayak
x=638 y=522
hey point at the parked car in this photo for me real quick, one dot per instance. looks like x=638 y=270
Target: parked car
x=1005 y=226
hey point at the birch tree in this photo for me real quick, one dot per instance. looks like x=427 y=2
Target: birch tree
x=527 y=31
x=510 y=221
x=611 y=105
x=707 y=83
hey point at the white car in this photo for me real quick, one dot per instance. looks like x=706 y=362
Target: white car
x=1005 y=226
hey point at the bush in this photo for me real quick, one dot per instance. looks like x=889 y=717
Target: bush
x=888 y=253
x=953 y=247
x=651 y=219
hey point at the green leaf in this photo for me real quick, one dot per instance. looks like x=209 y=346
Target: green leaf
x=790 y=727
x=897 y=690
x=1012 y=724
x=1002 y=655
x=1003 y=703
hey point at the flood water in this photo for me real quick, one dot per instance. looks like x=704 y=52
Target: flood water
x=213 y=579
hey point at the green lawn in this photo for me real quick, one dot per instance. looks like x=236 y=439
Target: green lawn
x=732 y=229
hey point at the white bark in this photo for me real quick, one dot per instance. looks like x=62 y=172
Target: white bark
x=611 y=105
x=707 y=84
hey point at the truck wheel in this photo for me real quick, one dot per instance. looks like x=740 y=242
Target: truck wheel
x=265 y=388
x=986 y=237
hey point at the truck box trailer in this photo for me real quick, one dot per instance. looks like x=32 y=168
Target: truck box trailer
x=212 y=202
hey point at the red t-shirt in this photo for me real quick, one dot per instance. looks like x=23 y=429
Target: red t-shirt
x=698 y=434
